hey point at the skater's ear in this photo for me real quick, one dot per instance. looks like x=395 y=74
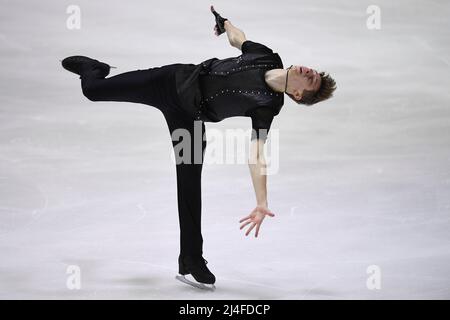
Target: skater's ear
x=298 y=95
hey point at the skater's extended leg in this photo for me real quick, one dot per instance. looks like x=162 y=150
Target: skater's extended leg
x=153 y=86
x=139 y=86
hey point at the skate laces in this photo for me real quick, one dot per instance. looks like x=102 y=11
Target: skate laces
x=203 y=266
x=199 y=262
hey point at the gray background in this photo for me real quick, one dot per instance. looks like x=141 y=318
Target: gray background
x=364 y=178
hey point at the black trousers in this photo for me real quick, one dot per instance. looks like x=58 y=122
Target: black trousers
x=156 y=87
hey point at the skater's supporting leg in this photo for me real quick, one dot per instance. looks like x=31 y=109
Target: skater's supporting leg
x=190 y=261
x=189 y=208
x=189 y=186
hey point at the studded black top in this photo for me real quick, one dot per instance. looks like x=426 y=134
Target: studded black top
x=238 y=88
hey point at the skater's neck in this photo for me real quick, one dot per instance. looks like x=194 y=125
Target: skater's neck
x=276 y=79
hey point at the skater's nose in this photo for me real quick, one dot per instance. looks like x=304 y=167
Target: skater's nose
x=304 y=70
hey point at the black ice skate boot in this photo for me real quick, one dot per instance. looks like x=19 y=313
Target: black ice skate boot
x=193 y=271
x=82 y=64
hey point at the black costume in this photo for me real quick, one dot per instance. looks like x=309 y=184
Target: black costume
x=210 y=91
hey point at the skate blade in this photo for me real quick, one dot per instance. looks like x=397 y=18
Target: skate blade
x=194 y=283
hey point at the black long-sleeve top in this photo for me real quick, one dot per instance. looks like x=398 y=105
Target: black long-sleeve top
x=218 y=89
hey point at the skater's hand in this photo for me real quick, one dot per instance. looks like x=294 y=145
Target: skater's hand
x=219 y=28
x=256 y=218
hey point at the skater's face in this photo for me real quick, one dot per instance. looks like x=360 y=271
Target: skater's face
x=303 y=79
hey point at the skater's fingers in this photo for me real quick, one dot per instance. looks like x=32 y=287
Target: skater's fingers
x=247 y=217
x=268 y=212
x=214 y=11
x=245 y=224
x=250 y=229
x=257 y=229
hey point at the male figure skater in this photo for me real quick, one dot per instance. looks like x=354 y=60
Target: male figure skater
x=250 y=85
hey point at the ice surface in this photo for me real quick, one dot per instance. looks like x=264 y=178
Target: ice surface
x=364 y=178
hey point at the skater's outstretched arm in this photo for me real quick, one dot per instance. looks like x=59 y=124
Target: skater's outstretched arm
x=236 y=37
x=257 y=165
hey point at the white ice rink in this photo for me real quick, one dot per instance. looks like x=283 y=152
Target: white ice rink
x=364 y=178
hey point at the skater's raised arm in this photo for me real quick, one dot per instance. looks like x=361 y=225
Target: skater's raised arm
x=235 y=36
x=257 y=165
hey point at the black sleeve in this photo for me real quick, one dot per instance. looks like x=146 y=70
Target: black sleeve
x=262 y=118
x=254 y=47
